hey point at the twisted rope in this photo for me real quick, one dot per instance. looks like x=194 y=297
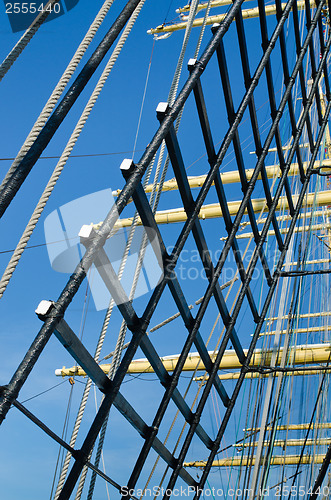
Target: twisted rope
x=57 y=92
x=15 y=258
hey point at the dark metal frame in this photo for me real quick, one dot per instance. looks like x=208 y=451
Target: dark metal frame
x=54 y=317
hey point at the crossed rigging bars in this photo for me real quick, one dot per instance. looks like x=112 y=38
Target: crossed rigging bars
x=52 y=313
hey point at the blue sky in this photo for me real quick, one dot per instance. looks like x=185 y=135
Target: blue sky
x=27 y=456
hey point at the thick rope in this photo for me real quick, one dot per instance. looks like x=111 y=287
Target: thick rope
x=57 y=92
x=64 y=158
x=25 y=39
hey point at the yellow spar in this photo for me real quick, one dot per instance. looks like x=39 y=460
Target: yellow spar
x=246 y=14
x=323 y=198
x=246 y=460
x=301 y=354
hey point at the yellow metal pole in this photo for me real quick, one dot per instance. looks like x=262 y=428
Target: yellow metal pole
x=202 y=6
x=275 y=460
x=214 y=210
x=231 y=177
x=297 y=373
x=288 y=442
x=246 y=13
x=307 y=354
x=294 y=427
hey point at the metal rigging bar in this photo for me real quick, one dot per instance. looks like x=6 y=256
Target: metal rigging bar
x=286 y=80
x=144 y=209
x=138 y=326
x=222 y=64
x=322 y=45
x=114 y=286
x=296 y=26
x=9 y=190
x=272 y=98
x=211 y=153
x=253 y=119
x=66 y=446
x=74 y=346
x=188 y=203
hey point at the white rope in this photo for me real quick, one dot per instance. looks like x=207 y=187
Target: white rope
x=57 y=92
x=25 y=39
x=64 y=157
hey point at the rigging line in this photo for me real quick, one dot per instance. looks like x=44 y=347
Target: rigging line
x=103 y=462
x=167 y=13
x=65 y=155
x=79 y=156
x=25 y=39
x=205 y=375
x=43 y=392
x=177 y=413
x=63 y=436
x=143 y=100
x=65 y=428
x=280 y=383
x=321 y=239
x=59 y=88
